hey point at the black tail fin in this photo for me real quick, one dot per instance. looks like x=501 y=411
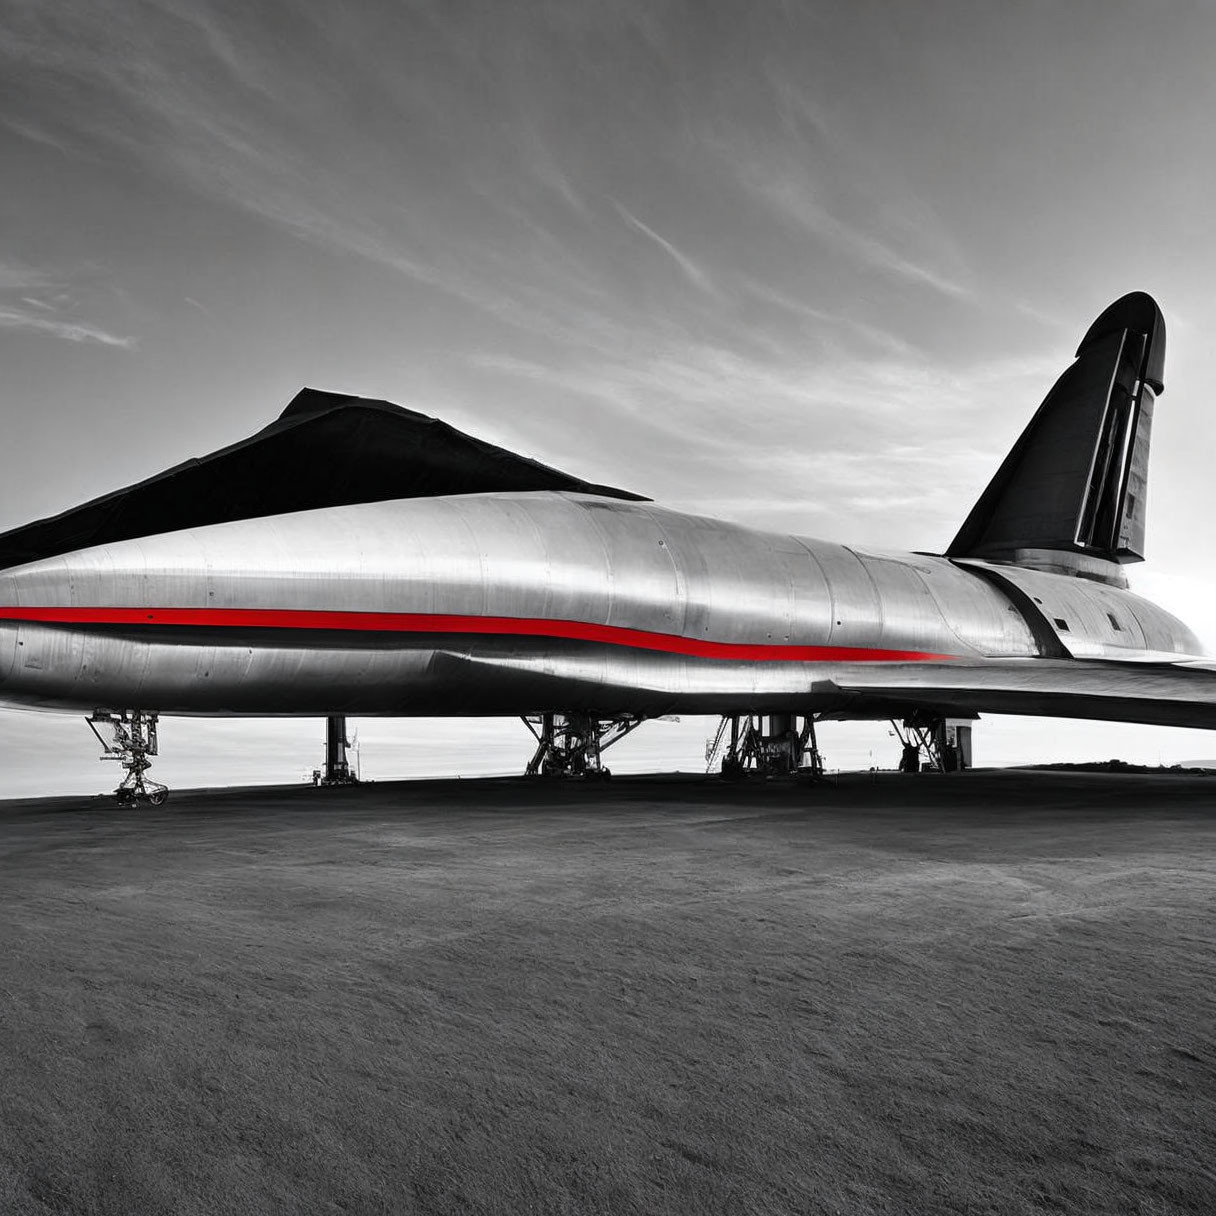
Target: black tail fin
x=1071 y=493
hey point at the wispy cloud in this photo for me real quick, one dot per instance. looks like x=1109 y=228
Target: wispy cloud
x=33 y=300
x=70 y=331
x=16 y=277
x=34 y=134
x=793 y=196
x=821 y=318
x=690 y=268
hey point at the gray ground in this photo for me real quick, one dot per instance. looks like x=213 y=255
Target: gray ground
x=986 y=993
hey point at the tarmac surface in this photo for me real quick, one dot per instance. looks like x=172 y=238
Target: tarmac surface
x=991 y=992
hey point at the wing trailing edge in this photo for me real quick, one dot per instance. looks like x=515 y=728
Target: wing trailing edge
x=1154 y=690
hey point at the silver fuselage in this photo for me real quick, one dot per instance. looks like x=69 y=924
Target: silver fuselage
x=531 y=602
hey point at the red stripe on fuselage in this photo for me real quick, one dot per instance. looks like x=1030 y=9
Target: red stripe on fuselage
x=423 y=622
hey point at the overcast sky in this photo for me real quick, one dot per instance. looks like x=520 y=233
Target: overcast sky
x=808 y=266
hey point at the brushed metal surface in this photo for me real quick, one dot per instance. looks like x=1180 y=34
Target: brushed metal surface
x=1099 y=621
x=537 y=556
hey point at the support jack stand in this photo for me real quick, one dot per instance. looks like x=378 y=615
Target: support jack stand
x=134 y=740
x=934 y=744
x=782 y=750
x=337 y=770
x=571 y=745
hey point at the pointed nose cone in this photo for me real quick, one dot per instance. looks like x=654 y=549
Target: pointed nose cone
x=1138 y=312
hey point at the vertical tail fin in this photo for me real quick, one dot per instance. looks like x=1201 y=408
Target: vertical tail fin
x=1071 y=493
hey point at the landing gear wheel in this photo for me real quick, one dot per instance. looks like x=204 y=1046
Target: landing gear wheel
x=134 y=742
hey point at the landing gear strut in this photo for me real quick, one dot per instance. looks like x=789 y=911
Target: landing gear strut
x=784 y=748
x=134 y=740
x=941 y=745
x=571 y=745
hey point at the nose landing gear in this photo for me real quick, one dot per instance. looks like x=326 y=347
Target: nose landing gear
x=134 y=740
